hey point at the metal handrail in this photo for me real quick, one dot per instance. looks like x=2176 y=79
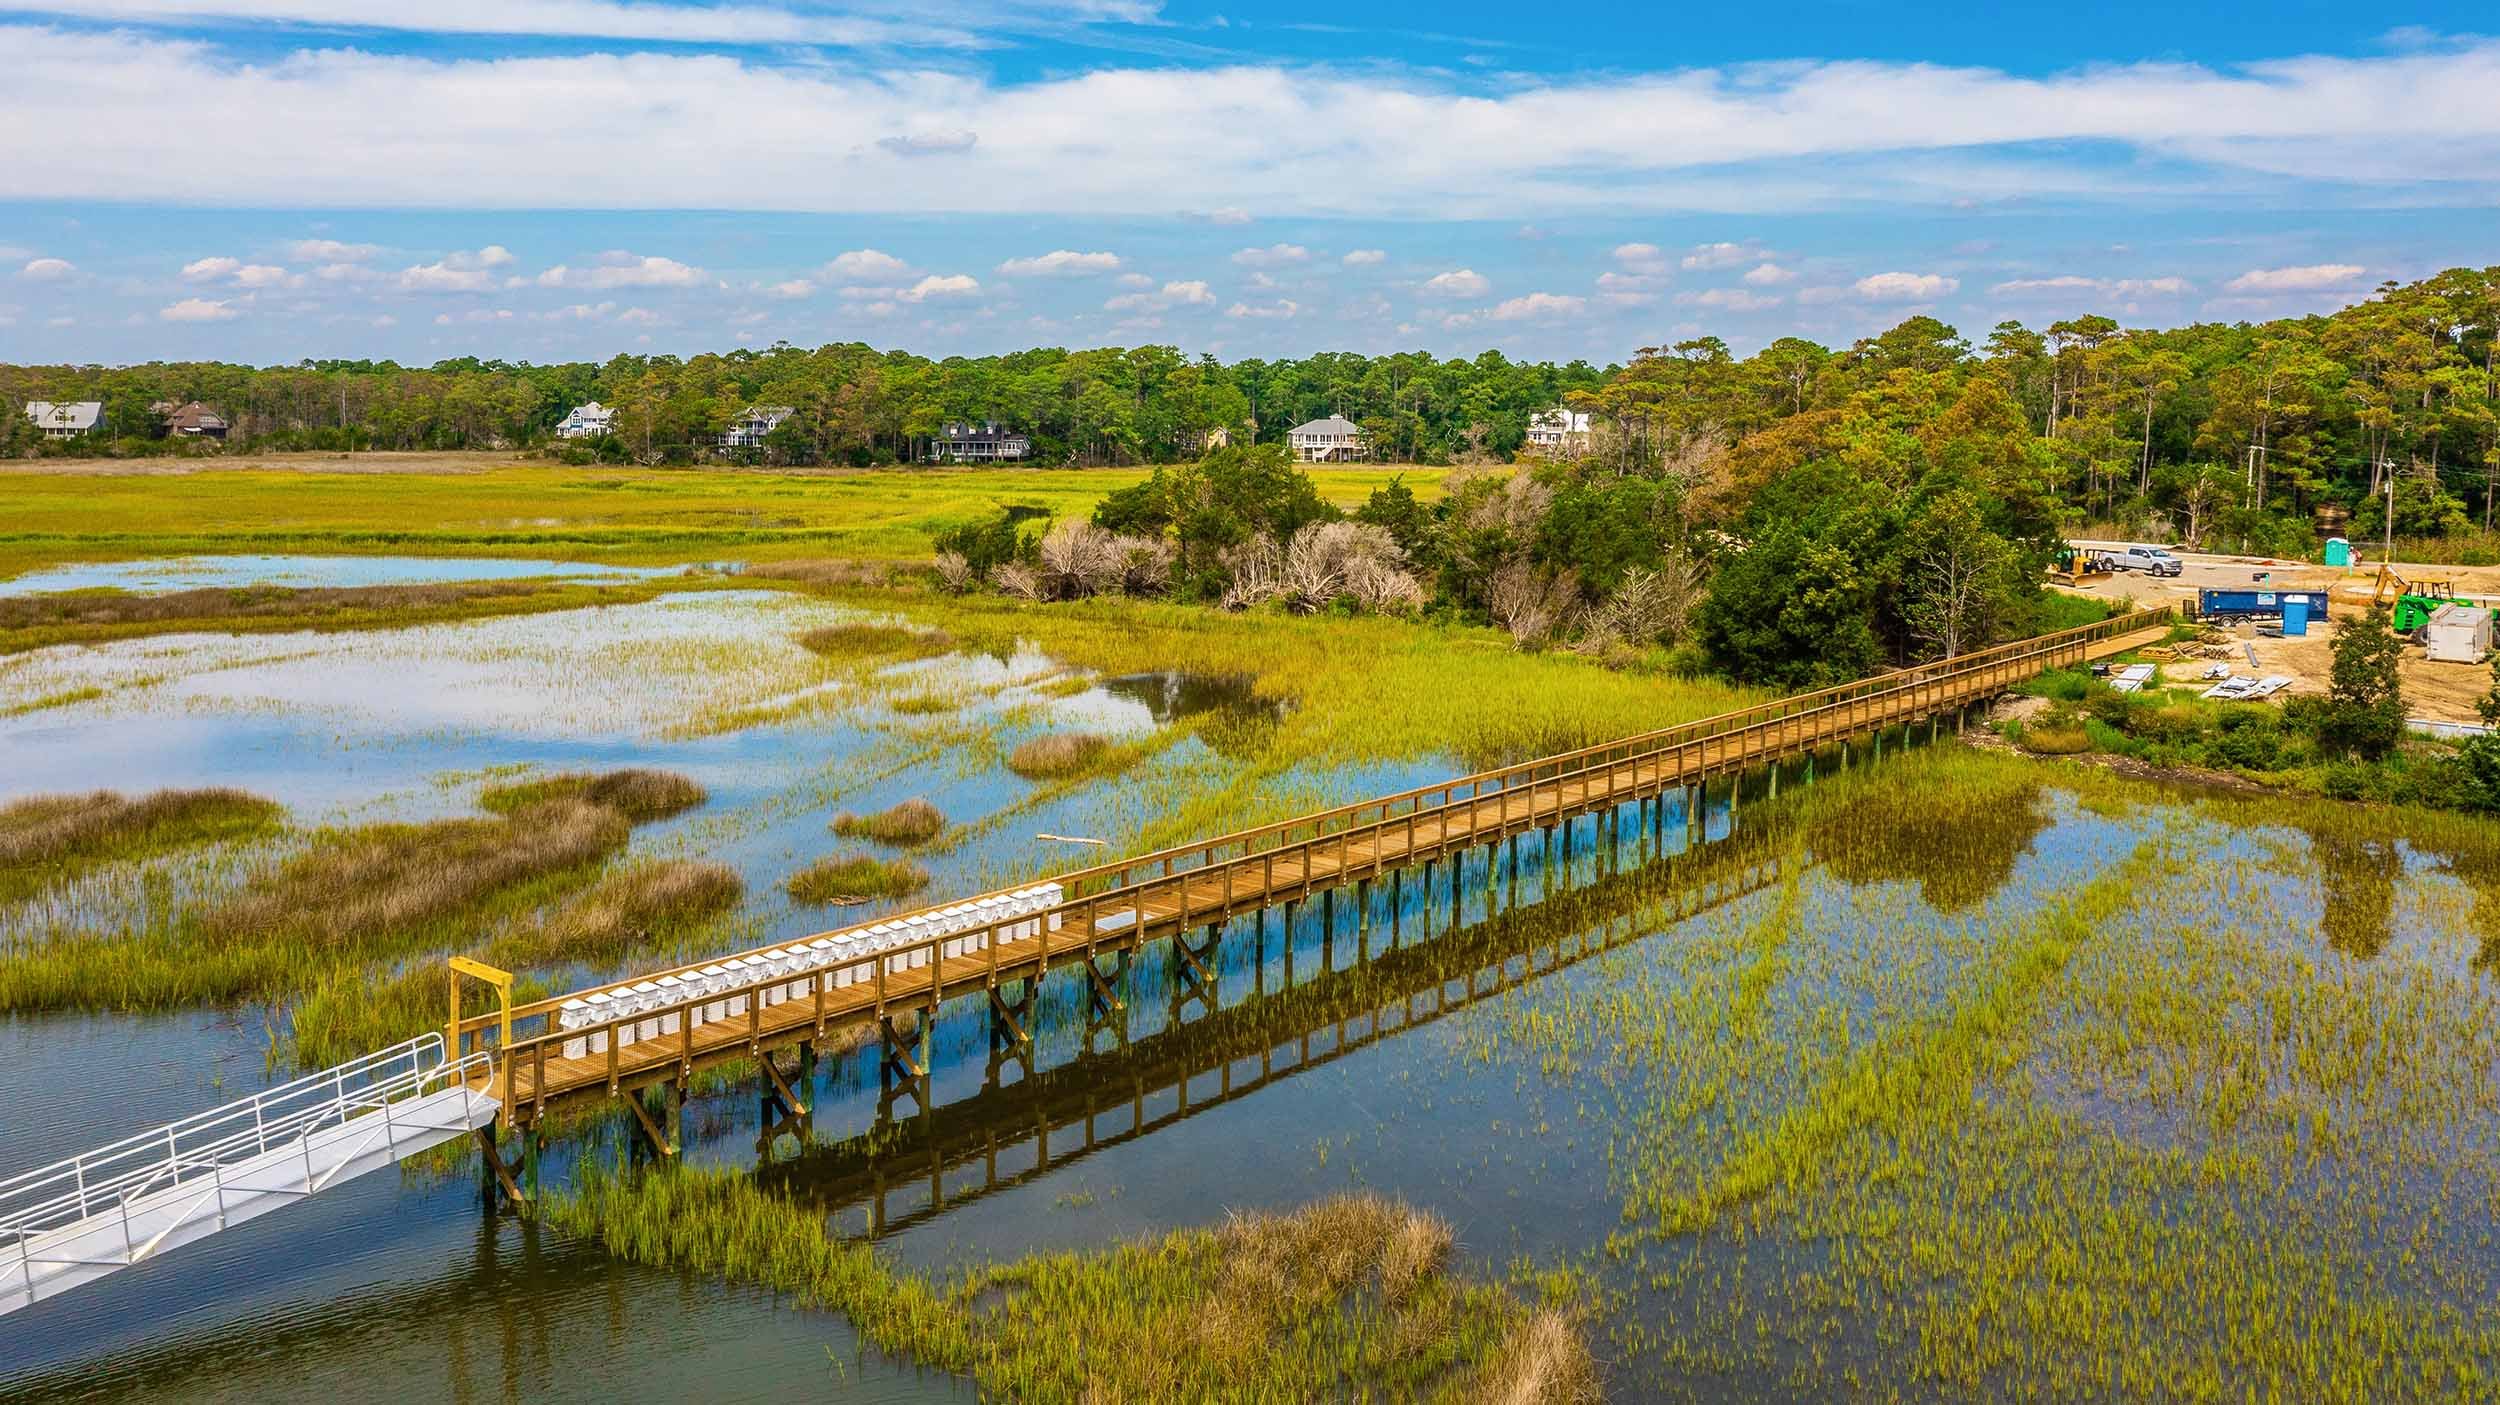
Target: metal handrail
x=201 y=1146
x=1928 y=682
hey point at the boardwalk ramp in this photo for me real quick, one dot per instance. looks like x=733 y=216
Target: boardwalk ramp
x=77 y=1220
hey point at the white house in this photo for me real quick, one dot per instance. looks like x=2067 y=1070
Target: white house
x=1558 y=431
x=984 y=442
x=1335 y=439
x=587 y=421
x=66 y=420
x=747 y=431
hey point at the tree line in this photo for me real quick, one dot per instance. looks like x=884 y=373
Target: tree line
x=853 y=404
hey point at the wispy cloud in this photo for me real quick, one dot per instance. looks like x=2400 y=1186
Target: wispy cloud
x=107 y=112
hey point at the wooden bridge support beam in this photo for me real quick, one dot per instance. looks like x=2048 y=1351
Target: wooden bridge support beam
x=495 y=1174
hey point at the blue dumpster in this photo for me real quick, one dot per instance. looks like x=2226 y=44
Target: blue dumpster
x=2295 y=616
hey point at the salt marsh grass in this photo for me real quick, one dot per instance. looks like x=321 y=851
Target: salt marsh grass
x=639 y=794
x=864 y=640
x=911 y=822
x=849 y=878
x=1350 y=1298
x=1058 y=755
x=46 y=838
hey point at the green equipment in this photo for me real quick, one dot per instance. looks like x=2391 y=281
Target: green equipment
x=2415 y=601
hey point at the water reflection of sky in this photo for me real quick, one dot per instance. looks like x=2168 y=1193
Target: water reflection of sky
x=201 y=572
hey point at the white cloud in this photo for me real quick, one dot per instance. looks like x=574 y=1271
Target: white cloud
x=1768 y=275
x=640 y=316
x=1136 y=280
x=1903 y=287
x=1273 y=256
x=345 y=273
x=1612 y=282
x=1280 y=309
x=199 y=310
x=619 y=269
x=1720 y=255
x=1537 y=306
x=951 y=285
x=106 y=109
x=47 y=270
x=331 y=251
x=945 y=142
x=2075 y=283
x=1364 y=258
x=1457 y=283
x=1193 y=293
x=1641 y=258
x=1060 y=262
x=222 y=269
x=598 y=19
x=862 y=265
x=792 y=288
x=461 y=271
x=1728 y=299
x=205 y=270
x=1229 y=214
x=262 y=275
x=2309 y=278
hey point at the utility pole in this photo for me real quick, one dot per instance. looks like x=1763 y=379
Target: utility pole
x=2387 y=467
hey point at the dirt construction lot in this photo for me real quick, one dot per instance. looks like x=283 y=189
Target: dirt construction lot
x=2438 y=692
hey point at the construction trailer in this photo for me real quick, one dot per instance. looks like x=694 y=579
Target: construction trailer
x=2231 y=606
x=2458 y=634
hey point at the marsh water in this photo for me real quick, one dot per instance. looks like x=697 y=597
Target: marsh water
x=1725 y=1071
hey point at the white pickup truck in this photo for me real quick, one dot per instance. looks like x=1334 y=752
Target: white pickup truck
x=2150 y=559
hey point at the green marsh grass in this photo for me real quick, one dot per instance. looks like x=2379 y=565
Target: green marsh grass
x=1350 y=1298
x=911 y=822
x=92 y=617
x=45 y=839
x=850 y=878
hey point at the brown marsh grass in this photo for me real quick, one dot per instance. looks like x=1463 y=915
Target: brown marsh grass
x=638 y=906
x=862 y=640
x=45 y=838
x=640 y=794
x=38 y=621
x=1058 y=754
x=849 y=878
x=909 y=823
x=359 y=887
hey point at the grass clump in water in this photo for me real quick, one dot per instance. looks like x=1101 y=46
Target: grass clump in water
x=861 y=640
x=47 y=838
x=1057 y=755
x=359 y=887
x=638 y=793
x=1350 y=1298
x=856 y=878
x=633 y=907
x=909 y=823
x=923 y=704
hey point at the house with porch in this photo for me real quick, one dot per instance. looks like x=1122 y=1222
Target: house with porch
x=66 y=419
x=1558 y=433
x=747 y=431
x=967 y=441
x=587 y=421
x=1335 y=439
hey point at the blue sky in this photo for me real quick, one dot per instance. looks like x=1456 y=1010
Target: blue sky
x=549 y=179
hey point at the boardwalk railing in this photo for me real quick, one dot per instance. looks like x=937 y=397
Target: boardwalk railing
x=199 y=1154
x=1113 y=905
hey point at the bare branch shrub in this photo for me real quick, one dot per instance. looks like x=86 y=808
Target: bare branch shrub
x=1255 y=567
x=1080 y=559
x=1017 y=579
x=1530 y=603
x=1146 y=565
x=953 y=571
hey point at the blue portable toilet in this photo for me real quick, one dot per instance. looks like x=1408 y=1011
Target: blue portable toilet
x=2295 y=615
x=2338 y=553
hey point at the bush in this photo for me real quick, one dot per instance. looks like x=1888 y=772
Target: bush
x=855 y=878
x=911 y=822
x=2251 y=748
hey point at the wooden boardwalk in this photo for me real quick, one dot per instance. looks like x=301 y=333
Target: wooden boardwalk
x=1112 y=909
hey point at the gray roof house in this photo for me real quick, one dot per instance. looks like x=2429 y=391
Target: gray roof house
x=1335 y=439
x=67 y=419
x=982 y=442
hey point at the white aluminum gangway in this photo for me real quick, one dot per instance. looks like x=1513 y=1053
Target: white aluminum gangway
x=80 y=1219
